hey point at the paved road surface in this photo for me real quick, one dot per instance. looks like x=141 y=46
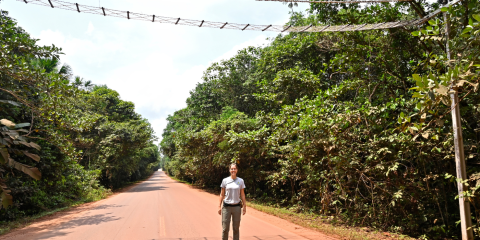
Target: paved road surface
x=161 y=208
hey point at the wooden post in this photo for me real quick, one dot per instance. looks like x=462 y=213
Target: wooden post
x=465 y=215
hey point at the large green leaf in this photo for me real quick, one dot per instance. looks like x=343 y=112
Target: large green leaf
x=476 y=16
x=20 y=125
x=418 y=79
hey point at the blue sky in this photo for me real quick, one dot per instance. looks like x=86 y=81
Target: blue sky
x=151 y=64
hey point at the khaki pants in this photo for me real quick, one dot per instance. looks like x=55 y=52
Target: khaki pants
x=228 y=213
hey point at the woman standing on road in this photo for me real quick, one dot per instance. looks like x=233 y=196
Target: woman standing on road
x=232 y=190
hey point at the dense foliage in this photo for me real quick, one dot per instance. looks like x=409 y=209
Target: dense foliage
x=354 y=125
x=73 y=140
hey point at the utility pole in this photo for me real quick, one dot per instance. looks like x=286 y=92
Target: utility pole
x=465 y=215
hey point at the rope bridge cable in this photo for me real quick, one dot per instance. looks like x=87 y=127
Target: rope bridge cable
x=226 y=25
x=328 y=1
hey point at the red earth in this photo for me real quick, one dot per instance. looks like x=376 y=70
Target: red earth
x=158 y=208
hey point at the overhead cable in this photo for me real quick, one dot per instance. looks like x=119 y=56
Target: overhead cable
x=225 y=25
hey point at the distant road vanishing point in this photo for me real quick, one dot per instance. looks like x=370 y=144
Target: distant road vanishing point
x=159 y=208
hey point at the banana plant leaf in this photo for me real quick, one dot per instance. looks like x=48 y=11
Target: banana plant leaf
x=32 y=156
x=32 y=171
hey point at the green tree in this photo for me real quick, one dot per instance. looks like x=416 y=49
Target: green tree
x=351 y=125
x=85 y=135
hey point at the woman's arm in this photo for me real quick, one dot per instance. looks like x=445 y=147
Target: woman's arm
x=222 y=196
x=242 y=195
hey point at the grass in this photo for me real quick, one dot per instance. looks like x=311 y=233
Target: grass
x=178 y=180
x=325 y=225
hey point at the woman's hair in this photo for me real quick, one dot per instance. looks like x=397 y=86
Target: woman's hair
x=233 y=164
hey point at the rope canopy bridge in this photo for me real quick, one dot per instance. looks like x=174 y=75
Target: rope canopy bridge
x=225 y=25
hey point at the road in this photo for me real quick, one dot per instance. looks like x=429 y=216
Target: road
x=159 y=208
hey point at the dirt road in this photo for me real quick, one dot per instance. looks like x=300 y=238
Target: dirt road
x=159 y=208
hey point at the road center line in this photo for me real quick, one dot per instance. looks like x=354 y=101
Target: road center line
x=162 y=226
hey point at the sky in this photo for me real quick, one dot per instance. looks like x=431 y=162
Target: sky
x=153 y=65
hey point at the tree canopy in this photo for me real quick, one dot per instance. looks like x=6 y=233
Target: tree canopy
x=72 y=140
x=352 y=125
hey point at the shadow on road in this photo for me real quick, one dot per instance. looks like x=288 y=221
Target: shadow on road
x=107 y=206
x=62 y=230
x=142 y=188
x=151 y=184
x=171 y=183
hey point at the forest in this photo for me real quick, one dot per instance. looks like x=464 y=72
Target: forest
x=63 y=140
x=350 y=125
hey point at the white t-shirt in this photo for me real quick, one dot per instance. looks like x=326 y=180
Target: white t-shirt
x=232 y=189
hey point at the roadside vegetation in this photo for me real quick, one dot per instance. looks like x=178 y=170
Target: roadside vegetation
x=63 y=140
x=325 y=224
x=352 y=126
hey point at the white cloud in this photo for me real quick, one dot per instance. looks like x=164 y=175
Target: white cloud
x=85 y=54
x=155 y=83
x=256 y=42
x=90 y=28
x=49 y=37
x=158 y=125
